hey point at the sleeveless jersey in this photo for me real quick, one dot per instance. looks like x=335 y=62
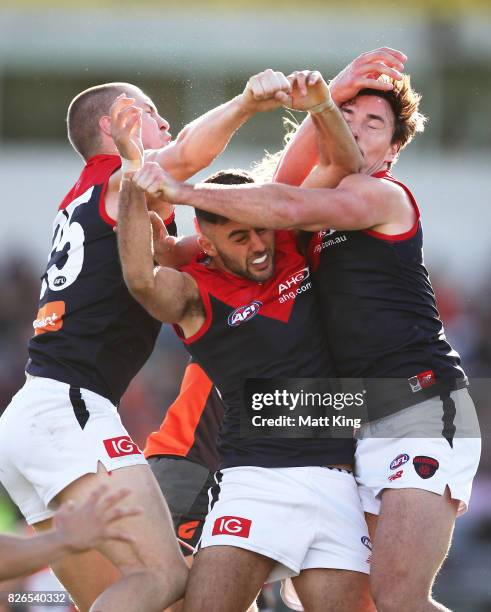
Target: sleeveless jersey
x=263 y=330
x=379 y=308
x=89 y=332
x=190 y=427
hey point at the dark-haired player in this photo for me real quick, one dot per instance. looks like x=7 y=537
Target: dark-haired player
x=277 y=509
x=61 y=435
x=416 y=461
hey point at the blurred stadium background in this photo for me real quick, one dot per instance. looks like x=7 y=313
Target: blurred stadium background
x=190 y=56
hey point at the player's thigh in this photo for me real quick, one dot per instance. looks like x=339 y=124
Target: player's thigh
x=225 y=579
x=179 y=605
x=85 y=575
x=155 y=545
x=184 y=485
x=413 y=534
x=322 y=590
x=371 y=520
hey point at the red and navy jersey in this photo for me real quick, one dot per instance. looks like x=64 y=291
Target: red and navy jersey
x=89 y=332
x=190 y=427
x=263 y=330
x=378 y=305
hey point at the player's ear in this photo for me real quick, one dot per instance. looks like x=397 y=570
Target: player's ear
x=206 y=245
x=105 y=124
x=392 y=152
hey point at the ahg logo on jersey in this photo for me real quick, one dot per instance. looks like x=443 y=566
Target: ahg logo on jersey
x=295 y=279
x=244 y=313
x=49 y=318
x=121 y=446
x=232 y=525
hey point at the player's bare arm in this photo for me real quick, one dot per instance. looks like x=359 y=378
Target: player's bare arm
x=167 y=294
x=74 y=530
x=169 y=251
x=338 y=152
x=301 y=153
x=202 y=140
x=359 y=202
x=199 y=143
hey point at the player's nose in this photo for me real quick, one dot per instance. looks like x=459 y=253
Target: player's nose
x=163 y=124
x=257 y=243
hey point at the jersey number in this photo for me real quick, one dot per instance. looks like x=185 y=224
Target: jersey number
x=67 y=253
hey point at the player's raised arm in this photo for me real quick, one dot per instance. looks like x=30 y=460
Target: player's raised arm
x=339 y=154
x=167 y=294
x=359 y=202
x=301 y=153
x=199 y=142
x=74 y=530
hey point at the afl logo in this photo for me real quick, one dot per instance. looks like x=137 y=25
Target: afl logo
x=365 y=540
x=398 y=461
x=244 y=313
x=59 y=281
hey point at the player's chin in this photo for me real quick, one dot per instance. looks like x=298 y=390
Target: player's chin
x=261 y=276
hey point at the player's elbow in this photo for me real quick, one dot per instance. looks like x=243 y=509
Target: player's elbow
x=190 y=159
x=141 y=287
x=351 y=164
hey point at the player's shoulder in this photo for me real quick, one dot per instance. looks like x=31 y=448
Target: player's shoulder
x=376 y=186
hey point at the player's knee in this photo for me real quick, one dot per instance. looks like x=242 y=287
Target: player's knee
x=394 y=595
x=168 y=583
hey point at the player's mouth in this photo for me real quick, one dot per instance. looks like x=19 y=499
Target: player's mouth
x=260 y=263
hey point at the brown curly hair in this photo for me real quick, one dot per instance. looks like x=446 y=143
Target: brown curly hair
x=404 y=101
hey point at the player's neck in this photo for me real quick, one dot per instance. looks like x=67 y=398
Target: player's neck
x=376 y=167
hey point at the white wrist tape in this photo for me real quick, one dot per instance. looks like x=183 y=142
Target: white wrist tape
x=130 y=165
x=319 y=108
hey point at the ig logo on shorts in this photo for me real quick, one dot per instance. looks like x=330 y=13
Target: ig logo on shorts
x=232 y=525
x=120 y=447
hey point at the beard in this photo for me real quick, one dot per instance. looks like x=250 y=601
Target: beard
x=243 y=271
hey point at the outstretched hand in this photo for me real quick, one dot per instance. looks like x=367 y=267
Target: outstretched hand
x=364 y=72
x=126 y=124
x=86 y=526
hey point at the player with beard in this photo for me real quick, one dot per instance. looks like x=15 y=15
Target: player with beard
x=229 y=312
x=416 y=459
x=61 y=435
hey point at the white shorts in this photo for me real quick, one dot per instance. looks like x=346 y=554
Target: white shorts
x=302 y=517
x=50 y=436
x=407 y=450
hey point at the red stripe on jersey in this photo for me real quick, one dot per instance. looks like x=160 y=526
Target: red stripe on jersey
x=176 y=435
x=98 y=170
x=386 y=175
x=237 y=291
